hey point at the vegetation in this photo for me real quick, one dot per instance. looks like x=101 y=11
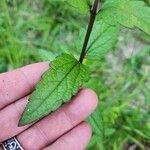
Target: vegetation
x=32 y=31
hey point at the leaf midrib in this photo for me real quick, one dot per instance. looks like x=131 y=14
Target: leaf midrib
x=56 y=86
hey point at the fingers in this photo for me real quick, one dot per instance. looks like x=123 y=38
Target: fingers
x=17 y=84
x=76 y=139
x=50 y=128
x=9 y=118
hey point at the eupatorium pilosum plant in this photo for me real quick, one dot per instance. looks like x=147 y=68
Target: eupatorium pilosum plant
x=67 y=74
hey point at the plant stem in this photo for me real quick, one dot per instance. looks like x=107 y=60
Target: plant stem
x=93 y=13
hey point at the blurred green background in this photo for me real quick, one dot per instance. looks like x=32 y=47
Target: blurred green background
x=34 y=30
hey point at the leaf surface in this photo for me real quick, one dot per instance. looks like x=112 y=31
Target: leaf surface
x=81 y=5
x=96 y=121
x=103 y=38
x=128 y=13
x=58 y=85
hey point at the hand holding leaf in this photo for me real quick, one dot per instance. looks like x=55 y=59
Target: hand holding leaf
x=58 y=85
x=67 y=74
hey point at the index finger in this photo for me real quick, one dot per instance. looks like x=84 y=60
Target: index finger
x=19 y=83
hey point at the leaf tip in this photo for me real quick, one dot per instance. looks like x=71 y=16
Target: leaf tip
x=21 y=123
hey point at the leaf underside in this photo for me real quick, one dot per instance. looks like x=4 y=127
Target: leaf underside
x=58 y=85
x=128 y=13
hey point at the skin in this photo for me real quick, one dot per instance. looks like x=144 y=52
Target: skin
x=63 y=129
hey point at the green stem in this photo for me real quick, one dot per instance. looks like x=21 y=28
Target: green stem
x=93 y=13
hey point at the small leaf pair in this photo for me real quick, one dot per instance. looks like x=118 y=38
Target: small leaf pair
x=128 y=13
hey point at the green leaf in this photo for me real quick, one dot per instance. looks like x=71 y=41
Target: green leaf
x=58 y=85
x=95 y=143
x=81 y=5
x=103 y=38
x=96 y=121
x=128 y=13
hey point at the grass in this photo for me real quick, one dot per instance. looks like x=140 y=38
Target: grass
x=33 y=31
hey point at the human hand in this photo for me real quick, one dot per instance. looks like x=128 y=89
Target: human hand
x=61 y=130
